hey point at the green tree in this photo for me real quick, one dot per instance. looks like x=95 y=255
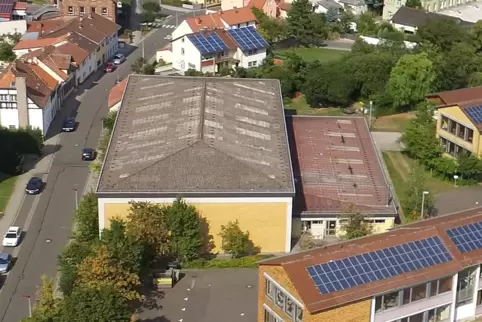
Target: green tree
x=147 y=223
x=109 y=121
x=347 y=18
x=69 y=259
x=104 y=304
x=469 y=167
x=185 y=230
x=366 y=24
x=415 y=188
x=411 y=79
x=193 y=72
x=442 y=34
x=419 y=137
x=272 y=30
x=304 y=25
x=475 y=79
x=306 y=241
x=101 y=270
x=235 y=241
x=331 y=15
x=417 y=4
x=87 y=219
x=46 y=309
x=147 y=16
x=355 y=224
x=6 y=51
x=375 y=6
x=151 y=6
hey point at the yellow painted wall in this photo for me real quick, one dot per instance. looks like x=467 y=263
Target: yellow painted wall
x=456 y=114
x=353 y=312
x=266 y=222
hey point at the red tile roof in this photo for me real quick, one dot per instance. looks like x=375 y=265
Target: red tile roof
x=20 y=6
x=54 y=59
x=215 y=20
x=458 y=96
x=296 y=264
x=336 y=165
x=209 y=21
x=284 y=6
x=78 y=54
x=237 y=15
x=39 y=43
x=116 y=93
x=259 y=4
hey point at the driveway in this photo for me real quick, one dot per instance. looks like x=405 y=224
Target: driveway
x=208 y=296
x=459 y=199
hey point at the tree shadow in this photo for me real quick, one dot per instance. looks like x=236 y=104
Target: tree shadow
x=207 y=240
x=152 y=298
x=156 y=319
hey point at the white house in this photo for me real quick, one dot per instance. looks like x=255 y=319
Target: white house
x=234 y=18
x=357 y=7
x=211 y=50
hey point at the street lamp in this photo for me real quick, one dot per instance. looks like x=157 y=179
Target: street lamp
x=424 y=193
x=76 y=198
x=29 y=304
x=455 y=180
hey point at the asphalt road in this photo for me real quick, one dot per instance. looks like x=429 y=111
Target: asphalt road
x=48 y=216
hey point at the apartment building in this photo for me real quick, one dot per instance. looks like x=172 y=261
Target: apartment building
x=459 y=121
x=212 y=50
x=229 y=19
x=337 y=170
x=429 y=271
x=81 y=8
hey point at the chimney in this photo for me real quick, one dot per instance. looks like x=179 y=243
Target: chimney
x=21 y=87
x=198 y=21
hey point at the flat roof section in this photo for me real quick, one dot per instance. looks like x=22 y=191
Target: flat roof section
x=336 y=165
x=469 y=12
x=198 y=135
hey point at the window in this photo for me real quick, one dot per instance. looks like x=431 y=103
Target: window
x=255 y=63
x=182 y=51
x=479 y=298
x=70 y=10
x=92 y=9
x=379 y=221
x=81 y=10
x=270 y=316
x=280 y=298
x=299 y=314
x=387 y=301
x=289 y=307
x=269 y=288
x=252 y=52
x=104 y=11
x=461 y=133
x=470 y=135
x=452 y=127
x=445 y=285
x=445 y=123
x=439 y=314
x=465 y=286
x=419 y=292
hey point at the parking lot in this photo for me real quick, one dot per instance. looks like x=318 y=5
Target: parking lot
x=207 y=296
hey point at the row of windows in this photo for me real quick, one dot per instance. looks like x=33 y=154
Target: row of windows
x=270 y=317
x=8 y=98
x=283 y=301
x=81 y=10
x=457 y=129
x=252 y=63
x=453 y=149
x=440 y=314
x=412 y=294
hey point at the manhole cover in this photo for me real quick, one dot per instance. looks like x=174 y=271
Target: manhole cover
x=48 y=240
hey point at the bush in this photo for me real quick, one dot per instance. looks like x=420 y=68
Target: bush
x=243 y=262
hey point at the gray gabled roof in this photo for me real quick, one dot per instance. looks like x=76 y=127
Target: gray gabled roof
x=328 y=4
x=416 y=18
x=195 y=135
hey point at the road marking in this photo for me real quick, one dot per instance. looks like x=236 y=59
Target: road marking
x=193 y=282
x=168 y=26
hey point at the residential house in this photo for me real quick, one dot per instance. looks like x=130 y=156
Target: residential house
x=81 y=8
x=29 y=95
x=284 y=7
x=212 y=50
x=428 y=271
x=322 y=6
x=337 y=170
x=115 y=95
x=269 y=7
x=357 y=7
x=24 y=46
x=13 y=27
x=233 y=130
x=409 y=20
x=19 y=11
x=234 y=18
x=459 y=121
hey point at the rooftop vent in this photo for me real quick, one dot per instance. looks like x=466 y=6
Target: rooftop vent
x=351 y=169
x=342 y=139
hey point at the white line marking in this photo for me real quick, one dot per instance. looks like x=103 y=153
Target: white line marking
x=193 y=282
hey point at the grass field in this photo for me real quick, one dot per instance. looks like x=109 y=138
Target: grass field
x=392 y=123
x=309 y=54
x=299 y=106
x=6 y=189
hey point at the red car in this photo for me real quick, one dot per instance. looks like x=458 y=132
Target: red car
x=109 y=68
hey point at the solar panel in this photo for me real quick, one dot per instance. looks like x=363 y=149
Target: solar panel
x=248 y=38
x=474 y=113
x=467 y=238
x=208 y=44
x=379 y=265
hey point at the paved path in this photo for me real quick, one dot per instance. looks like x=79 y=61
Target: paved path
x=458 y=199
x=387 y=141
x=47 y=218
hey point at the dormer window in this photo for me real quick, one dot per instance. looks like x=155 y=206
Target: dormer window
x=70 y=10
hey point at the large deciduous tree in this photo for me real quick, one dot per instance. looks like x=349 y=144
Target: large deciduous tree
x=355 y=224
x=235 y=241
x=442 y=34
x=411 y=79
x=104 y=304
x=101 y=270
x=304 y=25
x=69 y=259
x=87 y=219
x=412 y=196
x=184 y=227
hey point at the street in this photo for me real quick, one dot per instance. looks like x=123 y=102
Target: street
x=46 y=219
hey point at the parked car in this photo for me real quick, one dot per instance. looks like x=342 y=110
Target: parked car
x=34 y=186
x=110 y=67
x=119 y=59
x=88 y=154
x=69 y=124
x=5 y=262
x=12 y=237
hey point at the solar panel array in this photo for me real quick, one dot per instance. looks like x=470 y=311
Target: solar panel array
x=474 y=113
x=379 y=265
x=248 y=38
x=208 y=44
x=467 y=238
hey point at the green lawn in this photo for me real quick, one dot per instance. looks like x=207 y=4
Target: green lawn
x=313 y=53
x=6 y=189
x=299 y=106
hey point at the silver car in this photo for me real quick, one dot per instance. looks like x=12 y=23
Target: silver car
x=118 y=59
x=5 y=262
